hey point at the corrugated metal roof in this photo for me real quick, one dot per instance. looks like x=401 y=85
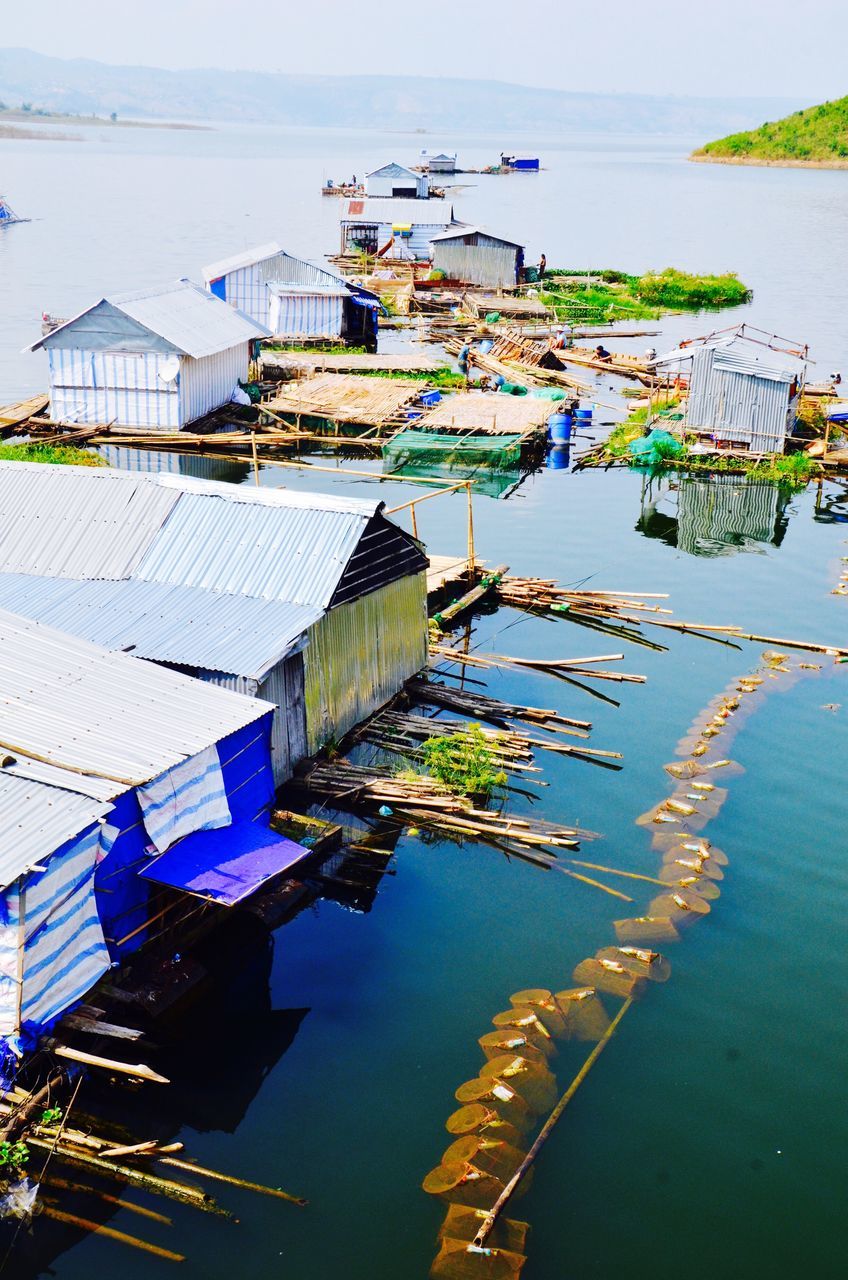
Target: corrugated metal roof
x=77 y=522
x=394 y=170
x=189 y=626
x=462 y=229
x=35 y=820
x=428 y=213
x=194 y=321
x=280 y=552
x=325 y=290
x=73 y=704
x=247 y=258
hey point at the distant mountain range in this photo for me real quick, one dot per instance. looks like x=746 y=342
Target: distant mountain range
x=84 y=87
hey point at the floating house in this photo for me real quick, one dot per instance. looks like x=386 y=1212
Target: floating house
x=159 y=358
x=743 y=389
x=121 y=782
x=441 y=163
x=395 y=228
x=315 y=603
x=522 y=164
x=397 y=183
x=474 y=256
x=8 y=215
x=292 y=298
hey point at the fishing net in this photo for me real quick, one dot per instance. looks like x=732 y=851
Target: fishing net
x=539 y=998
x=683 y=906
x=493 y=1155
x=463 y=1183
x=500 y=1097
x=683 y=865
x=609 y=976
x=686 y=842
x=639 y=961
x=476 y=1118
x=640 y=929
x=529 y=1022
x=532 y=1080
x=496 y=1043
x=586 y=1019
x=462 y=1223
x=461 y=1260
x=707 y=889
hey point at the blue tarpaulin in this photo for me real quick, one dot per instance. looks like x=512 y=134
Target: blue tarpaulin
x=226 y=864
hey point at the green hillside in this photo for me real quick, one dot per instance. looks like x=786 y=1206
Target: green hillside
x=817 y=135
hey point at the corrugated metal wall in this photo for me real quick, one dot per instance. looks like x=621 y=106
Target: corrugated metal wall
x=208 y=383
x=306 y=315
x=96 y=386
x=737 y=405
x=284 y=686
x=245 y=289
x=360 y=654
x=494 y=268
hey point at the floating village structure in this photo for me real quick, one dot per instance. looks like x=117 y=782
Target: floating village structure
x=743 y=389
x=315 y=603
x=476 y=257
x=293 y=299
x=396 y=182
x=441 y=163
x=117 y=777
x=394 y=228
x=159 y=358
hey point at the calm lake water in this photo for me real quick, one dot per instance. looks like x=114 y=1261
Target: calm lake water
x=710 y=1139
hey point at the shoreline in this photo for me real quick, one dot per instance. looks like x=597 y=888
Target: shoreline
x=763 y=163
x=30 y=120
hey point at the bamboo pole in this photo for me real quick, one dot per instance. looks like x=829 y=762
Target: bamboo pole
x=99 y=1228
x=259 y=1187
x=65 y=1184
x=547 y=1129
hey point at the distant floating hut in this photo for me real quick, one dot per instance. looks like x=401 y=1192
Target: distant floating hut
x=744 y=386
x=397 y=182
x=158 y=358
x=441 y=163
x=8 y=215
x=394 y=228
x=473 y=255
x=521 y=163
x=294 y=299
x=96 y=749
x=315 y=603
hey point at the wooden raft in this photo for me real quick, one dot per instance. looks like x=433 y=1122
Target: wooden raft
x=352 y=398
x=348 y=362
x=490 y=413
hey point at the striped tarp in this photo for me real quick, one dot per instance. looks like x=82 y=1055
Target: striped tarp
x=189 y=797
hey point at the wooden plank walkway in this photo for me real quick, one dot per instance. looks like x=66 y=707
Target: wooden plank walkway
x=352 y=398
x=444 y=570
x=349 y=362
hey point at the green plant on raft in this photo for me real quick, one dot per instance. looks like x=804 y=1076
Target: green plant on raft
x=13 y=1156
x=61 y=454
x=51 y=1115
x=677 y=289
x=463 y=762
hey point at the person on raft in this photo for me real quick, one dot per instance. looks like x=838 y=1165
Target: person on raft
x=601 y=353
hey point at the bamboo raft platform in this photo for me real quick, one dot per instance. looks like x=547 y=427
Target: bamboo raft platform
x=348 y=398
x=346 y=362
x=488 y=414
x=479 y=305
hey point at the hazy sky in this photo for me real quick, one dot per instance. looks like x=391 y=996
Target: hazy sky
x=713 y=47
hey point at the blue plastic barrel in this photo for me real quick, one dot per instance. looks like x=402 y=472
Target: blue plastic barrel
x=559 y=427
x=558 y=457
x=411 y=414
x=584 y=415
x=485 y=346
x=431 y=397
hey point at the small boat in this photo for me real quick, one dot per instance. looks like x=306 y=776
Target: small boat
x=8 y=215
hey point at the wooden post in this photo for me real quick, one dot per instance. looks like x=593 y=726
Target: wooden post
x=471 y=557
x=414 y=520
x=255 y=458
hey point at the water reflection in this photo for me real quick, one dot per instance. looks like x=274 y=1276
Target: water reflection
x=168 y=462
x=714 y=516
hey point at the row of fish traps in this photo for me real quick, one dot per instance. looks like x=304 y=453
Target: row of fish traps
x=504 y=1103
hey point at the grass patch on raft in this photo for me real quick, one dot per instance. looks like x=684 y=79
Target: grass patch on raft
x=61 y=454
x=604 y=295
